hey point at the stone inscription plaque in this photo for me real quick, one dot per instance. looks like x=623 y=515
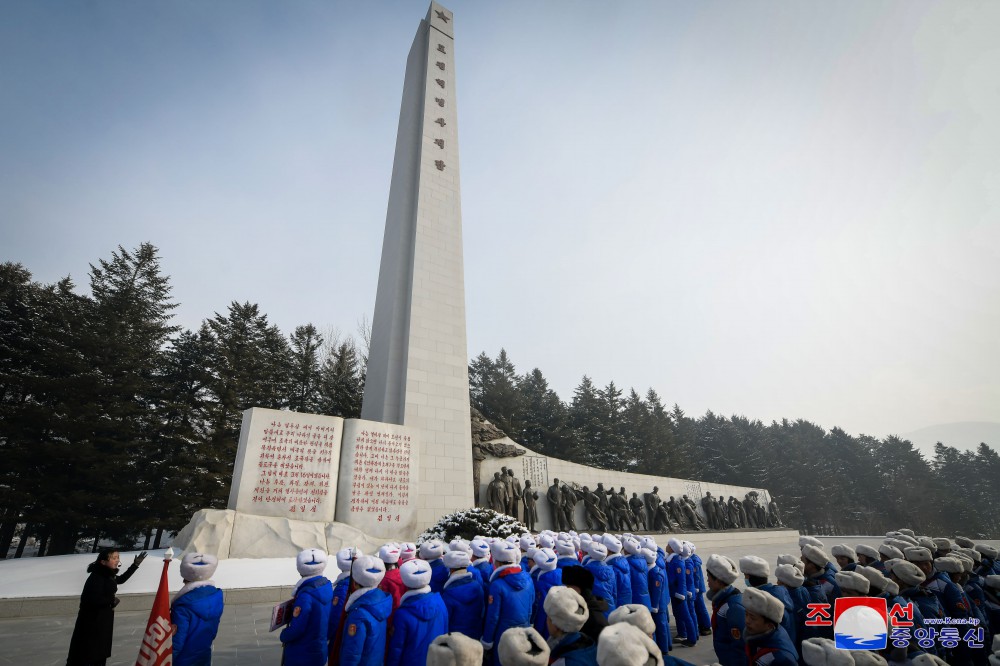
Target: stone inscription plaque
x=287 y=465
x=536 y=470
x=378 y=482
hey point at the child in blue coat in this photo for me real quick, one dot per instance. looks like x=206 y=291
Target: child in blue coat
x=623 y=575
x=431 y=552
x=420 y=618
x=511 y=596
x=304 y=639
x=482 y=568
x=196 y=611
x=605 y=585
x=638 y=573
x=463 y=596
x=366 y=614
x=546 y=574
x=345 y=557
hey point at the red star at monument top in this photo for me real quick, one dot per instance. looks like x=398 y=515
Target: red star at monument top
x=441 y=15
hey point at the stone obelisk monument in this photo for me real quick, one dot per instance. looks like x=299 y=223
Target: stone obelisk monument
x=418 y=363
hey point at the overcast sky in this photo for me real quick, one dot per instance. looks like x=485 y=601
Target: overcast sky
x=774 y=209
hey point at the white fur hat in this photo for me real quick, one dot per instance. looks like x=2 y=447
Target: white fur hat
x=903 y=544
x=866 y=658
x=597 y=551
x=636 y=615
x=415 y=574
x=347 y=555
x=546 y=540
x=943 y=544
x=992 y=581
x=908 y=538
x=976 y=556
x=527 y=542
x=763 y=603
x=613 y=543
x=876 y=581
x=908 y=573
x=986 y=550
x=852 y=580
x=891 y=588
x=890 y=551
x=389 y=553
x=687 y=549
x=454 y=650
x=751 y=565
x=928 y=660
x=824 y=652
x=843 y=550
x=198 y=566
x=674 y=544
x=648 y=542
x=951 y=565
x=431 y=550
x=585 y=537
x=649 y=555
x=480 y=548
x=545 y=559
x=407 y=551
x=311 y=562
x=460 y=544
x=457 y=559
x=623 y=644
x=513 y=538
x=566 y=608
x=805 y=540
x=815 y=555
x=965 y=542
x=368 y=571
x=565 y=549
x=907 y=531
x=504 y=552
x=918 y=554
x=790 y=575
x=722 y=568
x=631 y=545
x=789 y=559
x=866 y=550
x=523 y=646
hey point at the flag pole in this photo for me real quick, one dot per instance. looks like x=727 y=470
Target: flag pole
x=157 y=646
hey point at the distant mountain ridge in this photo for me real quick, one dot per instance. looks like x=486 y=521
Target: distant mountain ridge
x=964 y=436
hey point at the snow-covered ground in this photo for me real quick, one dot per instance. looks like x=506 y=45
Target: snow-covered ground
x=64 y=575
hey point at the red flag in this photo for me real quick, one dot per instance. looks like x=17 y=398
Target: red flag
x=157 y=646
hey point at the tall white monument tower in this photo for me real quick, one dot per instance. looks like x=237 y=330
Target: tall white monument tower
x=418 y=363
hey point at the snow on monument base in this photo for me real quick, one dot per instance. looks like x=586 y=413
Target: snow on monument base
x=231 y=534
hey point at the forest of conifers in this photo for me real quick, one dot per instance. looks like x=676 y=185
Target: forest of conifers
x=116 y=424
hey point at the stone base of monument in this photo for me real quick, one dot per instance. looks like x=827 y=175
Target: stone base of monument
x=231 y=534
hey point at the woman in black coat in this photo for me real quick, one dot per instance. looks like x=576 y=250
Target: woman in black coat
x=95 y=625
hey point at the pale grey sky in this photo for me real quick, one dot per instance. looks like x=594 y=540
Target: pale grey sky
x=775 y=209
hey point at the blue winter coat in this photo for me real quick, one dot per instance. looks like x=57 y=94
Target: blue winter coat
x=623 y=579
x=788 y=618
x=699 y=574
x=304 y=638
x=543 y=583
x=466 y=602
x=574 y=649
x=772 y=649
x=659 y=590
x=952 y=599
x=728 y=624
x=439 y=574
x=337 y=608
x=363 y=642
x=605 y=583
x=196 y=615
x=419 y=619
x=511 y=597
x=676 y=580
x=483 y=569
x=639 y=581
x=564 y=562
